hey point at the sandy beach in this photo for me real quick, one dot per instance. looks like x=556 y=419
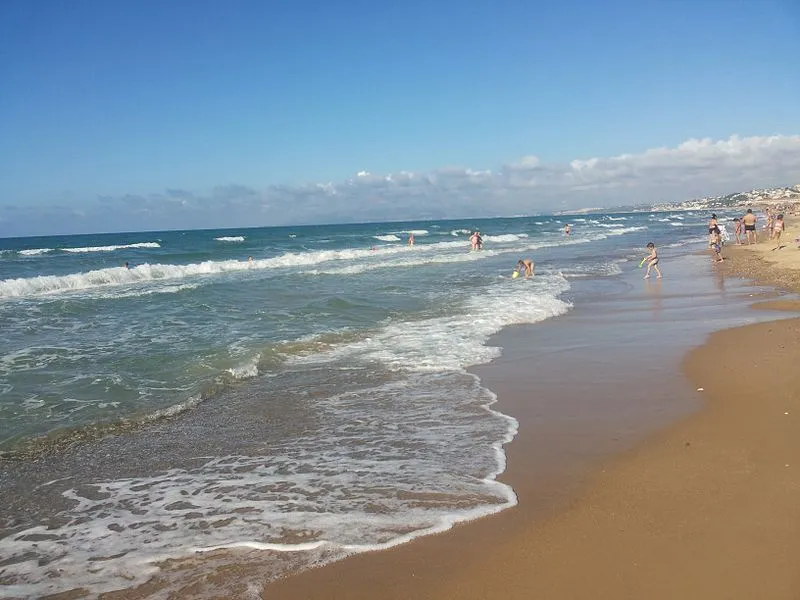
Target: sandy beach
x=765 y=263
x=706 y=508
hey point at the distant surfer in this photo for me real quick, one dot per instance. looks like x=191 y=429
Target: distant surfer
x=127 y=266
x=567 y=229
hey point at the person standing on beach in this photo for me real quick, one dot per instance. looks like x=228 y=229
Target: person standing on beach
x=777 y=231
x=716 y=247
x=750 y=226
x=770 y=223
x=713 y=227
x=411 y=239
x=652 y=261
x=738 y=231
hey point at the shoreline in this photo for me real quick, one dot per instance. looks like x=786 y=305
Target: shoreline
x=554 y=472
x=561 y=548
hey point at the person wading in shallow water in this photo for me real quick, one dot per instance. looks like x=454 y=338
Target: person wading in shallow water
x=477 y=240
x=526 y=266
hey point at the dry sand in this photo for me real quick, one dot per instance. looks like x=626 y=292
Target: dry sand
x=707 y=509
x=763 y=263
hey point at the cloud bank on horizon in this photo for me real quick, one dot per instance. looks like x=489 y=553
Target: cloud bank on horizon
x=697 y=167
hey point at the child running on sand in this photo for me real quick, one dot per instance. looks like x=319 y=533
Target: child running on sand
x=652 y=261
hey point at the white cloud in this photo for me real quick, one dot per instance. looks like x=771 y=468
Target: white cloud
x=697 y=167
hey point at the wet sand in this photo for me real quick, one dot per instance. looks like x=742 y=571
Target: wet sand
x=707 y=508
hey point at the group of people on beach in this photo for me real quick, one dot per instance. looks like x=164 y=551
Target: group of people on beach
x=746 y=227
x=775 y=227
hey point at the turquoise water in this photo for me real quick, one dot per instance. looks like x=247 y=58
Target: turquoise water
x=315 y=397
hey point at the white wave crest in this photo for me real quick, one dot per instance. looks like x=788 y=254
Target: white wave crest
x=111 y=248
x=247 y=370
x=505 y=237
x=390 y=237
x=625 y=230
x=35 y=251
x=230 y=238
x=458 y=340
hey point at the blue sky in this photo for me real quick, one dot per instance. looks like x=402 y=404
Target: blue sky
x=119 y=115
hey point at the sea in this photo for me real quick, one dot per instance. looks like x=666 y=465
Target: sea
x=300 y=393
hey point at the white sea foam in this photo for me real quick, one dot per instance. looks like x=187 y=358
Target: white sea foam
x=617 y=218
x=457 y=341
x=134 y=293
x=246 y=370
x=607 y=269
x=111 y=248
x=230 y=238
x=625 y=230
x=120 y=276
x=460 y=232
x=505 y=237
x=399 y=486
x=35 y=251
x=389 y=237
